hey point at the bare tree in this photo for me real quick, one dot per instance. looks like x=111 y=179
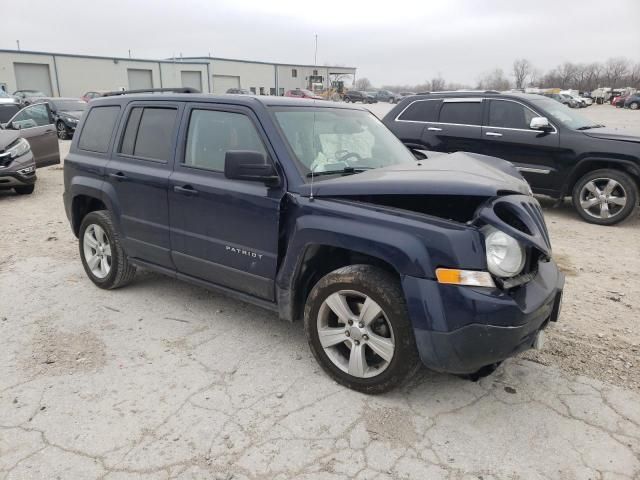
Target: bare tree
x=567 y=73
x=614 y=70
x=437 y=84
x=593 y=74
x=521 y=70
x=535 y=77
x=363 y=84
x=633 y=80
x=494 y=81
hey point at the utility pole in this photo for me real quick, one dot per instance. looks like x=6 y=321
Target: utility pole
x=18 y=43
x=129 y=53
x=315 y=55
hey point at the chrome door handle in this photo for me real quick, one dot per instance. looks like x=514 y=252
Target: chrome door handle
x=434 y=129
x=493 y=134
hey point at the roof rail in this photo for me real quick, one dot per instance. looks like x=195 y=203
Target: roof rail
x=153 y=90
x=458 y=91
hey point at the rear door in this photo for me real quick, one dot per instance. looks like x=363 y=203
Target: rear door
x=458 y=128
x=35 y=124
x=223 y=231
x=138 y=173
x=507 y=135
x=411 y=124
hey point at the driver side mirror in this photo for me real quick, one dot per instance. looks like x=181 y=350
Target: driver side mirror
x=250 y=166
x=540 y=123
x=15 y=126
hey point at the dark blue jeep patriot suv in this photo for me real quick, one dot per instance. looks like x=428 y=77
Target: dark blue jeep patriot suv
x=315 y=210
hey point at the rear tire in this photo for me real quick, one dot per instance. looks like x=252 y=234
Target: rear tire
x=103 y=257
x=605 y=197
x=347 y=99
x=634 y=105
x=24 y=190
x=381 y=341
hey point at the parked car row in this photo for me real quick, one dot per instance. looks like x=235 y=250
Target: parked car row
x=631 y=101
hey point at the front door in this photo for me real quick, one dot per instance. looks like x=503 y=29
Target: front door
x=535 y=153
x=223 y=231
x=138 y=172
x=35 y=124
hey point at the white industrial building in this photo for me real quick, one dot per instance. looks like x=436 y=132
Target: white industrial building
x=67 y=75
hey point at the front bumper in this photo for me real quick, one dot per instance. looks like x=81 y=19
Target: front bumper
x=14 y=179
x=462 y=329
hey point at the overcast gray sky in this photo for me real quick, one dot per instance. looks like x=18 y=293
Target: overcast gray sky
x=393 y=42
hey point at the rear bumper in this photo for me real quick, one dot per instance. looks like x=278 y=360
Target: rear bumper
x=462 y=329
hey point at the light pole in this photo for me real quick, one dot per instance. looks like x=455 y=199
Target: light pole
x=315 y=55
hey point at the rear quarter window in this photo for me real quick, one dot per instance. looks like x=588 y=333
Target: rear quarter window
x=421 y=111
x=98 y=129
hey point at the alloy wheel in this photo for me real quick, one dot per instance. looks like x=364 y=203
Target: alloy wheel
x=603 y=198
x=355 y=333
x=62 y=131
x=97 y=250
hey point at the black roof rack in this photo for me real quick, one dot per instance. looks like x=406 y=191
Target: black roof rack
x=459 y=91
x=153 y=90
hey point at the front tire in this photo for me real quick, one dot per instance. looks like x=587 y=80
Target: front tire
x=358 y=329
x=25 y=189
x=634 y=105
x=605 y=197
x=347 y=99
x=61 y=129
x=103 y=258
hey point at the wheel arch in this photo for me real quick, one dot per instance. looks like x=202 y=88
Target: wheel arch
x=595 y=163
x=88 y=195
x=314 y=262
x=81 y=206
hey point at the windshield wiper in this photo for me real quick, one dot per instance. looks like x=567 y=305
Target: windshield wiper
x=588 y=127
x=344 y=171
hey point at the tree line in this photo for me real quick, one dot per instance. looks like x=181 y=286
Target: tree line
x=616 y=72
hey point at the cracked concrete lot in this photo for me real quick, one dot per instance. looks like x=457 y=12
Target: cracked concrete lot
x=163 y=380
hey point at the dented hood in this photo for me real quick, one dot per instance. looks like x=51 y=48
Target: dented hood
x=458 y=173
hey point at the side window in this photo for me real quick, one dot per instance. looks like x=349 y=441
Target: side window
x=503 y=113
x=422 y=111
x=33 y=116
x=465 y=113
x=212 y=134
x=149 y=133
x=98 y=128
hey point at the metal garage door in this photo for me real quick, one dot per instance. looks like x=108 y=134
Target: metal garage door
x=222 y=83
x=191 y=79
x=139 y=79
x=33 y=76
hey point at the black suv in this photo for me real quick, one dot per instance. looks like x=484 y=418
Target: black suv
x=316 y=211
x=560 y=152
